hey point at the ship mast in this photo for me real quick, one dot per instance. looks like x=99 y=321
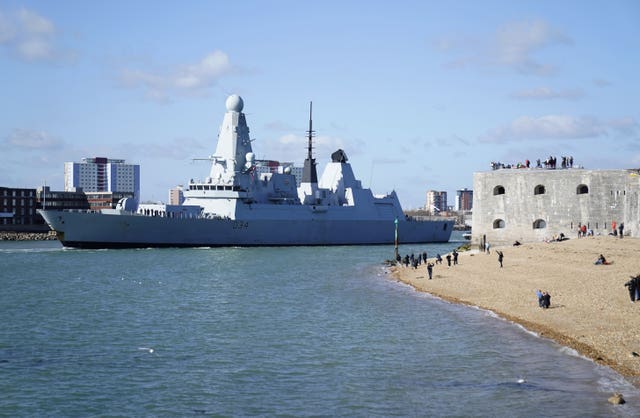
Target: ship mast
x=309 y=173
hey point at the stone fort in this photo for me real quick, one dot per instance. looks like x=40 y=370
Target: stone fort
x=536 y=204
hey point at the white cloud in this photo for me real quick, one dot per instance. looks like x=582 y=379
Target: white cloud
x=30 y=37
x=192 y=79
x=512 y=46
x=546 y=93
x=556 y=127
x=35 y=24
x=28 y=139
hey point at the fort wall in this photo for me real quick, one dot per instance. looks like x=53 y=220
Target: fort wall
x=529 y=205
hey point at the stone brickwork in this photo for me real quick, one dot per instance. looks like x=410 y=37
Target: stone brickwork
x=530 y=205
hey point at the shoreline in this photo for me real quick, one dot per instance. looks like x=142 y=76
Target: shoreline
x=590 y=308
x=27 y=236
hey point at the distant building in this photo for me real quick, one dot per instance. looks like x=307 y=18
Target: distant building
x=59 y=200
x=18 y=206
x=176 y=196
x=106 y=200
x=436 y=201
x=101 y=174
x=464 y=200
x=271 y=166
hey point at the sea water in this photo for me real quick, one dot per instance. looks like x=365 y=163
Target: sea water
x=301 y=331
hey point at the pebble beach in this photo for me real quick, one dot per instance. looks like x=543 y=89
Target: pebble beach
x=590 y=311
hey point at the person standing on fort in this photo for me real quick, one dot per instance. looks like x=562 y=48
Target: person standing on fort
x=500 y=257
x=621 y=229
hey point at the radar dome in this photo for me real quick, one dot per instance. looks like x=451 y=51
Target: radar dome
x=234 y=103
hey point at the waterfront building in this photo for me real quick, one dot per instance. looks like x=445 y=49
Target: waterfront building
x=17 y=206
x=464 y=200
x=105 y=200
x=60 y=200
x=102 y=174
x=436 y=201
x=529 y=205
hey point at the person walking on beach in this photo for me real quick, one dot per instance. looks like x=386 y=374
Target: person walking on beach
x=430 y=269
x=487 y=247
x=448 y=257
x=455 y=257
x=621 y=229
x=500 y=257
x=546 y=300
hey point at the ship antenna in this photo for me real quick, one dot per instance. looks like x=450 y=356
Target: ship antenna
x=309 y=174
x=310 y=132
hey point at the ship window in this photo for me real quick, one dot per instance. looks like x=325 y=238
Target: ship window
x=227 y=187
x=539 y=189
x=582 y=189
x=498 y=224
x=498 y=190
x=539 y=224
x=199 y=187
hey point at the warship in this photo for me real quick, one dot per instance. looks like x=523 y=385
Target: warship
x=239 y=204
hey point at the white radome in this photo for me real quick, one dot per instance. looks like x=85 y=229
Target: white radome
x=234 y=103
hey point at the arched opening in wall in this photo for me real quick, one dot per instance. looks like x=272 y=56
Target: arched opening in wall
x=498 y=190
x=582 y=189
x=498 y=224
x=539 y=224
x=539 y=189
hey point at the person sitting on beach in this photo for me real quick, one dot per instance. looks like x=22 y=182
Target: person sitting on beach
x=601 y=260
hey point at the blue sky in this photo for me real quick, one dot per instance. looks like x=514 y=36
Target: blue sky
x=419 y=94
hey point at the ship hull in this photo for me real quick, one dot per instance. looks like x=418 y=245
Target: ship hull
x=96 y=230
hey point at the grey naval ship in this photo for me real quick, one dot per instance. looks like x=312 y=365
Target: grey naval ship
x=238 y=205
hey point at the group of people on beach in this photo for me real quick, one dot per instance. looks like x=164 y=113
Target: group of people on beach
x=412 y=259
x=619 y=231
x=544 y=299
x=417 y=260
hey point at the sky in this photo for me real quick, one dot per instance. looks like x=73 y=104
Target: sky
x=419 y=94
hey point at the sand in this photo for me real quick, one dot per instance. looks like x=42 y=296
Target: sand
x=590 y=307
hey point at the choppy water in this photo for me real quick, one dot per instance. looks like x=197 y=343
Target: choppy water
x=268 y=332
